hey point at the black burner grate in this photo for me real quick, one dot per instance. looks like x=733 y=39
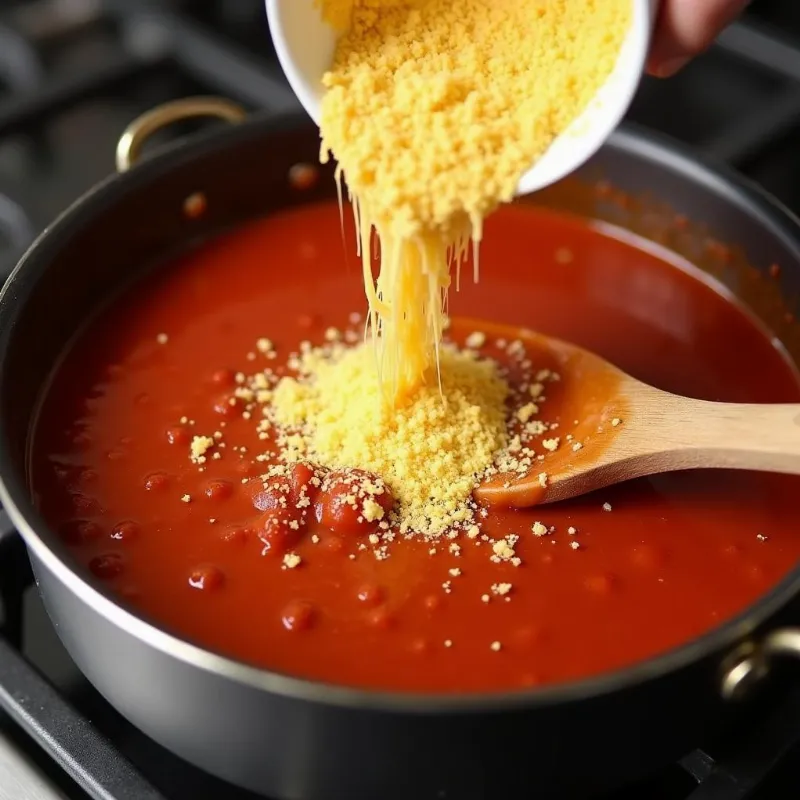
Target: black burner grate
x=73 y=73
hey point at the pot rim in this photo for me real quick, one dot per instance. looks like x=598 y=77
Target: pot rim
x=640 y=145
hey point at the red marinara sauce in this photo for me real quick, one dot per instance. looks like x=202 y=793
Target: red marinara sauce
x=674 y=556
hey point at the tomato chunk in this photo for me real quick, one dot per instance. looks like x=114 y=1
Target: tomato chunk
x=302 y=480
x=305 y=479
x=353 y=502
x=281 y=529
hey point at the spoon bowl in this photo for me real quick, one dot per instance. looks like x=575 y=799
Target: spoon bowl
x=305 y=46
x=613 y=428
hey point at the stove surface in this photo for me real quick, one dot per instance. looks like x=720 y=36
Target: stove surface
x=73 y=73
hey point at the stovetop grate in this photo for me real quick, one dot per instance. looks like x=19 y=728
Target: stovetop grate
x=72 y=74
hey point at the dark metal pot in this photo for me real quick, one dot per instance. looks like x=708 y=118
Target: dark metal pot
x=298 y=740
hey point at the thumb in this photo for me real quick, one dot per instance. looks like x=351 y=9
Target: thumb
x=685 y=28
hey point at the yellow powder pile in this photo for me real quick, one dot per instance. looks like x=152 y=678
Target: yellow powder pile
x=429 y=452
x=434 y=110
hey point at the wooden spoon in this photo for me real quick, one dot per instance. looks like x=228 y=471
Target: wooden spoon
x=620 y=428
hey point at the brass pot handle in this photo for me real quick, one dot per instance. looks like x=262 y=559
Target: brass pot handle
x=136 y=134
x=751 y=663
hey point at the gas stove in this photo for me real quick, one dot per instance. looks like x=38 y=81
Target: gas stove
x=73 y=73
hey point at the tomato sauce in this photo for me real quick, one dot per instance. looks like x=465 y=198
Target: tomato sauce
x=658 y=562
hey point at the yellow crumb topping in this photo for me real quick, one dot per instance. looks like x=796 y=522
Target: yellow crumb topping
x=372 y=511
x=429 y=451
x=199 y=447
x=434 y=110
x=539 y=529
x=409 y=471
x=291 y=560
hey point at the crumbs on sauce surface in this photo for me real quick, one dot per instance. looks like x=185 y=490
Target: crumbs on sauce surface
x=396 y=474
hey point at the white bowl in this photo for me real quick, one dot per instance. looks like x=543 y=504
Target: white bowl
x=305 y=47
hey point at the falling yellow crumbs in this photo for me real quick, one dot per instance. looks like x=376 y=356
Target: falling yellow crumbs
x=434 y=110
x=430 y=451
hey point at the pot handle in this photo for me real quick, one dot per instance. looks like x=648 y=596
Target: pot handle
x=143 y=127
x=751 y=663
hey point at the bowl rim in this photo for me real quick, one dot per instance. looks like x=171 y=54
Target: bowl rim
x=15 y=497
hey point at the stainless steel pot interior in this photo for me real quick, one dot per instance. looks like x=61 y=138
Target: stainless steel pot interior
x=224 y=715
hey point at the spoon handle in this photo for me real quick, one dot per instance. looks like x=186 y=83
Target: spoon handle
x=687 y=434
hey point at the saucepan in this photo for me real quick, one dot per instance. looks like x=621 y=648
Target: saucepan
x=300 y=740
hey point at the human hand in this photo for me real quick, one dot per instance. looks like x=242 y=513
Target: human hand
x=685 y=28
